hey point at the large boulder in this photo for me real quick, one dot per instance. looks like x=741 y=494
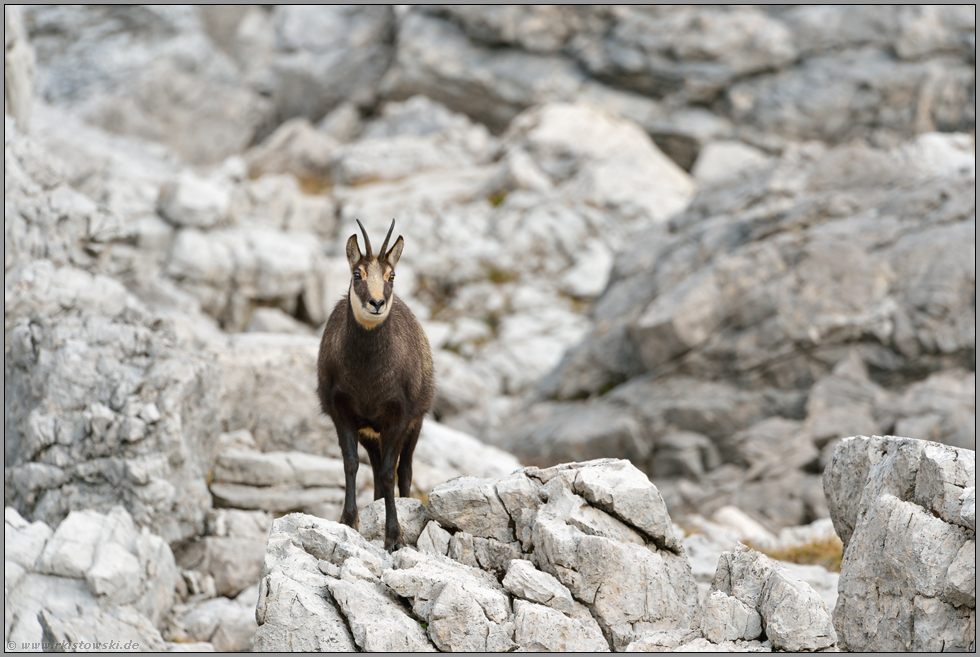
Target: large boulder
x=906 y=512
x=586 y=553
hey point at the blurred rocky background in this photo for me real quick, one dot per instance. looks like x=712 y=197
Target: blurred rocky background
x=712 y=241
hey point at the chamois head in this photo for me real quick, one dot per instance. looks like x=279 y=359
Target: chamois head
x=372 y=277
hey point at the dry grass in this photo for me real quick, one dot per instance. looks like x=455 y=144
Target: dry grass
x=826 y=552
x=314 y=185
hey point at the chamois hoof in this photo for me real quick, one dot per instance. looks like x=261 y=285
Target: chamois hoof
x=351 y=521
x=391 y=545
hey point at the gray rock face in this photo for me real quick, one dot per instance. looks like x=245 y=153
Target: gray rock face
x=18 y=69
x=172 y=85
x=327 y=54
x=227 y=625
x=725 y=298
x=902 y=501
x=782 y=74
x=731 y=340
x=104 y=406
x=434 y=58
x=582 y=578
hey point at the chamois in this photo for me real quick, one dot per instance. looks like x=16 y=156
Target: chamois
x=375 y=379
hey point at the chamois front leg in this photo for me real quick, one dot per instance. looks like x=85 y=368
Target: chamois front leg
x=373 y=448
x=347 y=434
x=390 y=450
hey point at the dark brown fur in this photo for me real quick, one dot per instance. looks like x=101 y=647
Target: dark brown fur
x=376 y=381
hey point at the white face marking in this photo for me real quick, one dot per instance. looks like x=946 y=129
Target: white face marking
x=364 y=313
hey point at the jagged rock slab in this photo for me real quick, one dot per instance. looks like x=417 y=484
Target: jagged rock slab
x=541 y=629
x=463 y=609
x=793 y=615
x=909 y=570
x=729 y=619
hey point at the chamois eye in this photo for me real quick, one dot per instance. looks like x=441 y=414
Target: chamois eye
x=391 y=277
x=357 y=274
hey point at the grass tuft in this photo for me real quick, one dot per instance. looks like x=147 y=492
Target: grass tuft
x=826 y=552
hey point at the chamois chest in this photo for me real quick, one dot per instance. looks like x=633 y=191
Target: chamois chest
x=366 y=369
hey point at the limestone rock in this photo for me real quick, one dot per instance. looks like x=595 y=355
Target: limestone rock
x=295 y=147
x=726 y=158
x=269 y=384
x=229 y=270
x=678 y=324
x=601 y=570
x=228 y=625
x=605 y=163
x=234 y=563
x=462 y=611
x=434 y=539
x=194 y=202
x=23 y=541
x=291 y=617
x=410 y=137
x=377 y=622
x=123 y=627
x=624 y=492
x=435 y=59
x=292 y=613
x=471 y=505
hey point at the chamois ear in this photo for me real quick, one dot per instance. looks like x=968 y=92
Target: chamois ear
x=396 y=251
x=353 y=251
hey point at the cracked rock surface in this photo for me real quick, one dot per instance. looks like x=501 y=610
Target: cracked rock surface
x=519 y=562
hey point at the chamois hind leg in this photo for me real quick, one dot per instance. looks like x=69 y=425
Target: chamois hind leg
x=347 y=434
x=405 y=460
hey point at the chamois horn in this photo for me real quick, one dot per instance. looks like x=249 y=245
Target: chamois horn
x=384 y=246
x=367 y=240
